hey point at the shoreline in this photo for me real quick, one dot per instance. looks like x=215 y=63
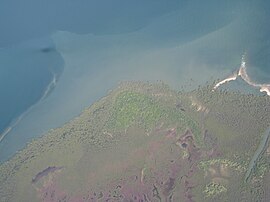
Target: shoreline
x=242 y=73
x=17 y=120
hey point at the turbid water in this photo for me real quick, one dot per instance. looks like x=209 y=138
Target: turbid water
x=184 y=43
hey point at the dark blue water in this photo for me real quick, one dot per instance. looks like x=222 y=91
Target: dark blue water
x=24 y=20
x=28 y=59
x=91 y=45
x=26 y=71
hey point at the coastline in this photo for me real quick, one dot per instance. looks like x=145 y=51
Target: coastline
x=17 y=120
x=264 y=88
x=242 y=73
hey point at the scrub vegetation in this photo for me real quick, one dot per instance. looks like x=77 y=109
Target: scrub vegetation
x=146 y=142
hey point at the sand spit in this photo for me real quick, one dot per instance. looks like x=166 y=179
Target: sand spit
x=242 y=72
x=230 y=78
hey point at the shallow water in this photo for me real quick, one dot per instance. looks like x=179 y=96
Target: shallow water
x=26 y=74
x=185 y=46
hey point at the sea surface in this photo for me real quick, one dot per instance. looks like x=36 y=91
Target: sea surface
x=50 y=71
x=29 y=72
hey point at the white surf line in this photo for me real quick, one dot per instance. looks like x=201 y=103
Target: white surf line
x=228 y=79
x=8 y=130
x=242 y=72
x=5 y=133
x=46 y=92
x=50 y=86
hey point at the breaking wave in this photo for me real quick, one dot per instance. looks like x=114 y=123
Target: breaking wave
x=242 y=73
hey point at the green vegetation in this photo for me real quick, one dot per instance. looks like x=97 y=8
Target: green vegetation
x=132 y=106
x=214 y=189
x=137 y=116
x=241 y=167
x=261 y=168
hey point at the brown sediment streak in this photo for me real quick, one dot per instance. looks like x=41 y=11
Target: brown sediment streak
x=243 y=74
